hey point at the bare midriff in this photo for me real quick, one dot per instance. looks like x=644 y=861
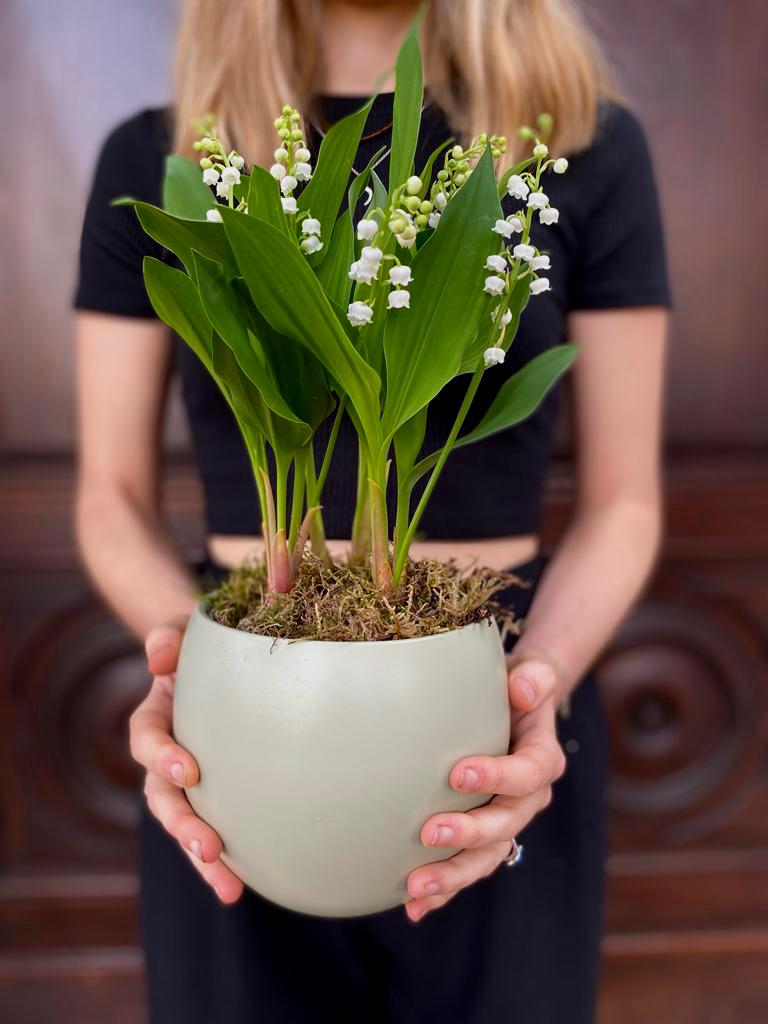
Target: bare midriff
x=494 y=552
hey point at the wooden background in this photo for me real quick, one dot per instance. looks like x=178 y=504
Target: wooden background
x=684 y=683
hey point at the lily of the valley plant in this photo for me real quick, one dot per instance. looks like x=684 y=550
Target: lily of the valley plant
x=300 y=314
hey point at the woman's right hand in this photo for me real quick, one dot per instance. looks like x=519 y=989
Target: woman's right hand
x=171 y=769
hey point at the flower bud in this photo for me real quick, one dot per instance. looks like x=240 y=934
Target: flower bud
x=421 y=220
x=284 y=133
x=287 y=110
x=408 y=232
x=206 y=162
x=425 y=206
x=460 y=179
x=442 y=175
x=457 y=152
x=560 y=166
x=414 y=185
x=281 y=154
x=296 y=135
x=540 y=151
x=397 y=225
x=302 y=154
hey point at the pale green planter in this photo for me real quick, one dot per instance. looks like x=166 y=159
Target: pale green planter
x=320 y=761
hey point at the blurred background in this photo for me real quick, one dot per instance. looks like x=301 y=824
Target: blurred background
x=686 y=681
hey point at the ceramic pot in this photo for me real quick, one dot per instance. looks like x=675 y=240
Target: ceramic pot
x=320 y=761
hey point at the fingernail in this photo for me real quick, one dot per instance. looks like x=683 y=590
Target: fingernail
x=470 y=779
x=442 y=835
x=177 y=773
x=431 y=888
x=525 y=687
x=196 y=847
x=218 y=894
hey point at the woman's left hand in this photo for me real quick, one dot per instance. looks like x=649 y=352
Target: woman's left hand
x=522 y=784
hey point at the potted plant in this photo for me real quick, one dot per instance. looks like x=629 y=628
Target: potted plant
x=380 y=669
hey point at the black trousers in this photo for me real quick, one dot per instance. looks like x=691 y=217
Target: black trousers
x=519 y=945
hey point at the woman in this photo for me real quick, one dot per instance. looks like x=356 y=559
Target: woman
x=494 y=942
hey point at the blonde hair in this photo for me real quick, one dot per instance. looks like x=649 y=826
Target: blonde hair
x=491 y=65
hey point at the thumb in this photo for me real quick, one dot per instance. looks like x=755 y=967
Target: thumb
x=532 y=681
x=163 y=644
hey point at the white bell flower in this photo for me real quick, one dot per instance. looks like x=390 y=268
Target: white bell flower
x=560 y=166
x=540 y=263
x=440 y=200
x=414 y=185
x=517 y=187
x=506 y=316
x=434 y=219
x=524 y=252
x=371 y=254
x=359 y=314
x=538 y=200
x=517 y=224
x=493 y=356
x=302 y=154
x=541 y=284
x=213 y=215
x=281 y=154
x=363 y=272
x=303 y=172
x=310 y=226
x=289 y=204
x=223 y=190
x=366 y=230
x=210 y=176
x=400 y=275
x=497 y=263
x=311 y=244
x=287 y=184
x=494 y=285
x=237 y=161
x=503 y=228
x=230 y=176
x=277 y=171
x=549 y=216
x=400 y=299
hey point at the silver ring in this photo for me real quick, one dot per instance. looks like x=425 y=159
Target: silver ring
x=515 y=854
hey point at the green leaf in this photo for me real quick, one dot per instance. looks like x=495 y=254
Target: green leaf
x=379 y=192
x=185 y=194
x=301 y=375
x=408 y=441
x=516 y=400
x=291 y=299
x=409 y=91
x=176 y=301
x=183 y=236
x=518 y=300
x=245 y=400
x=325 y=190
x=222 y=307
x=333 y=272
x=264 y=199
x=423 y=346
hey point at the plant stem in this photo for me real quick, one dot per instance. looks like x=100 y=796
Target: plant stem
x=401 y=552
x=326 y=463
x=317 y=527
x=361 y=524
x=282 y=466
x=377 y=483
x=297 y=501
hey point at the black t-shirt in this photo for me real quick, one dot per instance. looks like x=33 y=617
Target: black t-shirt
x=607 y=252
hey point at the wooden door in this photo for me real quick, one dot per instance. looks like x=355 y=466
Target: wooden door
x=685 y=681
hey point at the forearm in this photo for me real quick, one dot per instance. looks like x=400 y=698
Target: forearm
x=590 y=584
x=132 y=560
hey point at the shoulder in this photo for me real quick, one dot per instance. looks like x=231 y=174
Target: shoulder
x=620 y=144
x=132 y=154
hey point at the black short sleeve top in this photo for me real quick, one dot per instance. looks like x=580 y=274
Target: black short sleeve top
x=607 y=252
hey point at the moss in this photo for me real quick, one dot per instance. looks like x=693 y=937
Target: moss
x=340 y=602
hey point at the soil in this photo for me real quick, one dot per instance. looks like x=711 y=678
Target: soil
x=340 y=602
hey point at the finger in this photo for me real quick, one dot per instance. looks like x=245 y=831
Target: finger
x=534 y=764
x=444 y=878
x=151 y=742
x=224 y=882
x=163 y=644
x=174 y=812
x=531 y=683
x=416 y=909
x=495 y=822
